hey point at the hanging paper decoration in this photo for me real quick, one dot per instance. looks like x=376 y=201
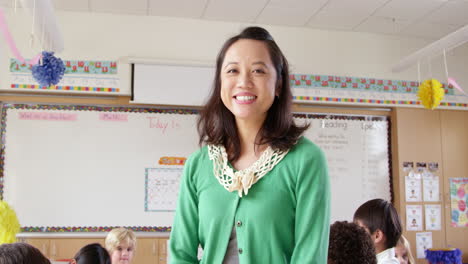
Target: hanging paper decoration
x=11 y=43
x=50 y=71
x=430 y=93
x=9 y=225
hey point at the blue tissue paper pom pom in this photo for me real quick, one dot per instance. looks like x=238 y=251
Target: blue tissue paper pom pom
x=50 y=71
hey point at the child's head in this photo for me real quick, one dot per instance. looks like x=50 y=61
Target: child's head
x=92 y=254
x=121 y=244
x=403 y=251
x=350 y=243
x=381 y=220
x=21 y=253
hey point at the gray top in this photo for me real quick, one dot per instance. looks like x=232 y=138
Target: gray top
x=232 y=256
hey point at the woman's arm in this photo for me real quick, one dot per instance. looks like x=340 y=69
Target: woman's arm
x=312 y=225
x=183 y=243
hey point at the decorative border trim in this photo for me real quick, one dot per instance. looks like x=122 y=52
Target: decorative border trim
x=371 y=101
x=73 y=67
x=358 y=84
x=89 y=229
x=66 y=88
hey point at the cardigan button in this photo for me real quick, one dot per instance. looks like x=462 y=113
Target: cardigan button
x=239 y=223
x=240 y=251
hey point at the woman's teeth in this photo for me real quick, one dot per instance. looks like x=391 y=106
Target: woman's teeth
x=245 y=98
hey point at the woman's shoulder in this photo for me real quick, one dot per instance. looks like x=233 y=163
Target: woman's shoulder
x=305 y=146
x=198 y=156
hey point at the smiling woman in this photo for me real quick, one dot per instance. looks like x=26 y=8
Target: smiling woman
x=258 y=192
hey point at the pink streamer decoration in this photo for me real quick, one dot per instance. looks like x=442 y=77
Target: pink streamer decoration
x=9 y=40
x=452 y=82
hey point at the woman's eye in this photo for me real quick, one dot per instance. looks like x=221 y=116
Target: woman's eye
x=232 y=71
x=258 y=71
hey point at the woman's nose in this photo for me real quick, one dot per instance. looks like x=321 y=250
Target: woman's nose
x=244 y=81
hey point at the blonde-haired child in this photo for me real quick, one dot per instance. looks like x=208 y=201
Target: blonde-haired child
x=403 y=251
x=121 y=244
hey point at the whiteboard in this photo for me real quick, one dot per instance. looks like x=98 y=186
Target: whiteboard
x=90 y=166
x=164 y=84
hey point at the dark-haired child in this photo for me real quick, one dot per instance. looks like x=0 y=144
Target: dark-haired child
x=350 y=243
x=381 y=220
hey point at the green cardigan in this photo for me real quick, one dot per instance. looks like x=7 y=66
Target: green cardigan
x=283 y=219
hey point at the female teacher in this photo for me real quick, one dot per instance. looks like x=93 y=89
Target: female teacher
x=257 y=192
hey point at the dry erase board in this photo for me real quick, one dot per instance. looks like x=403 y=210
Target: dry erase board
x=85 y=168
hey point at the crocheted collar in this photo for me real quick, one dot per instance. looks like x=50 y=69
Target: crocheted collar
x=242 y=180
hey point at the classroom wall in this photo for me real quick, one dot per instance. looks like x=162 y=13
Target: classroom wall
x=310 y=51
x=432 y=136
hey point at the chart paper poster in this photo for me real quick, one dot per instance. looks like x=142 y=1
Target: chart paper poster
x=459 y=200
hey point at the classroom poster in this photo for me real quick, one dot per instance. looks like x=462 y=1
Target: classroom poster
x=414 y=221
x=413 y=189
x=431 y=189
x=459 y=200
x=162 y=187
x=423 y=242
x=432 y=212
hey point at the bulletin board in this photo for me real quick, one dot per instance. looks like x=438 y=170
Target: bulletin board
x=81 y=168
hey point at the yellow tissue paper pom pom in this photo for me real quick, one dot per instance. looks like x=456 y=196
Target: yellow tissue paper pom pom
x=431 y=93
x=9 y=225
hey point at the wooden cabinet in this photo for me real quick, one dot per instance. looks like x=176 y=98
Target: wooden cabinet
x=148 y=250
x=66 y=248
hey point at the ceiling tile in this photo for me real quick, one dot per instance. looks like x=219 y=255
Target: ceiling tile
x=408 y=10
x=289 y=13
x=9 y=3
x=353 y=6
x=382 y=25
x=333 y=20
x=71 y=5
x=430 y=30
x=454 y=12
x=238 y=10
x=177 y=8
x=133 y=7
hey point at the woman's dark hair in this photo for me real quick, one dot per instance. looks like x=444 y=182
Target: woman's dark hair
x=350 y=243
x=21 y=253
x=92 y=254
x=380 y=214
x=217 y=125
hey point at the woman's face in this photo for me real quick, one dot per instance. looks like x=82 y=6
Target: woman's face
x=248 y=80
x=123 y=254
x=401 y=254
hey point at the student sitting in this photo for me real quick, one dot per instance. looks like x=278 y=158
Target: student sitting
x=403 y=251
x=92 y=254
x=350 y=243
x=121 y=243
x=21 y=253
x=381 y=221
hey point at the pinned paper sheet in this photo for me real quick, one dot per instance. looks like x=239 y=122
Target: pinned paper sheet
x=414 y=221
x=413 y=189
x=432 y=212
x=431 y=189
x=423 y=242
